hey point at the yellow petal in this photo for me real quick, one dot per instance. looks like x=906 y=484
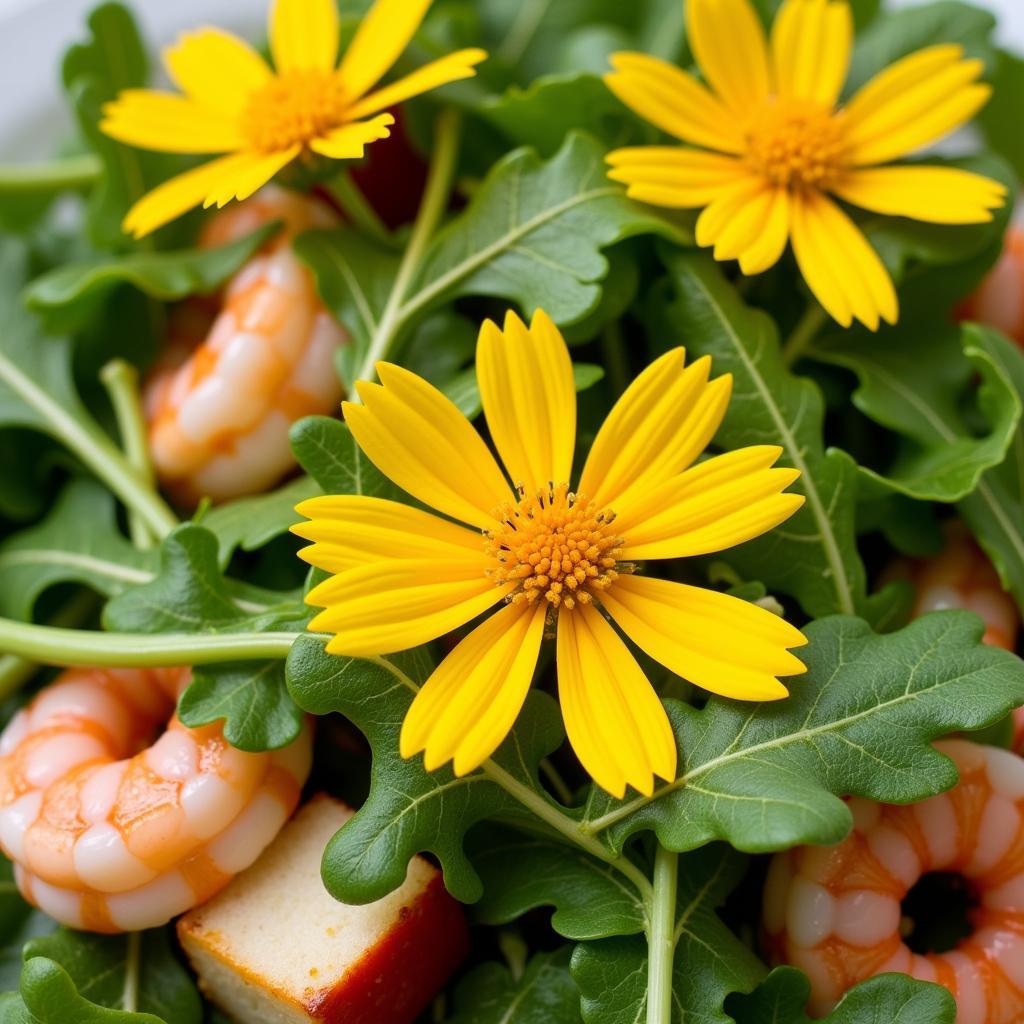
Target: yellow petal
x=673 y=101
x=529 y=399
x=811 y=45
x=456 y=66
x=751 y=226
x=672 y=176
x=839 y=265
x=613 y=718
x=939 y=195
x=217 y=70
x=418 y=438
x=726 y=206
x=715 y=505
x=351 y=529
x=728 y=41
x=467 y=707
x=169 y=123
x=304 y=34
x=396 y=604
x=180 y=194
x=349 y=142
x=383 y=34
x=911 y=104
x=766 y=250
x=716 y=641
x=254 y=170
x=662 y=422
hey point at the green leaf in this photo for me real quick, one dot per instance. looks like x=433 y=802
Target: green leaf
x=70 y=295
x=409 y=810
x=709 y=964
x=522 y=872
x=19 y=922
x=75 y=977
x=767 y=777
x=813 y=555
x=1000 y=117
x=328 y=452
x=462 y=389
x=919 y=381
x=78 y=542
x=545 y=994
x=886 y=999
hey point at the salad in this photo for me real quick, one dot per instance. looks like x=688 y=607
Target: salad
x=513 y=512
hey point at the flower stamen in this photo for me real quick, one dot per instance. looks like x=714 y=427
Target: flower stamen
x=295 y=107
x=795 y=143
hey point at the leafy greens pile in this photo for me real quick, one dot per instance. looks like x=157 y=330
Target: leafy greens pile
x=647 y=906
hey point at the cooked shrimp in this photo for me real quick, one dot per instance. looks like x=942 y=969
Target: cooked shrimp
x=999 y=300
x=835 y=913
x=107 y=835
x=219 y=420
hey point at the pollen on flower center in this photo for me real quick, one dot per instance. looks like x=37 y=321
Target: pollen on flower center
x=795 y=143
x=555 y=545
x=295 y=107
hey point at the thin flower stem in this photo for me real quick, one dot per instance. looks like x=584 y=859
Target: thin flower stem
x=435 y=200
x=73 y=172
x=130 y=993
x=804 y=333
x=55 y=645
x=357 y=208
x=616 y=364
x=557 y=783
x=121 y=380
x=96 y=450
x=661 y=939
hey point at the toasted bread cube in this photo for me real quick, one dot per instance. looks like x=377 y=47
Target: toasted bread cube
x=275 y=947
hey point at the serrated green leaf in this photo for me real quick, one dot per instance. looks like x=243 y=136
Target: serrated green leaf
x=462 y=389
x=545 y=994
x=813 y=556
x=710 y=963
x=886 y=999
x=78 y=542
x=68 y=296
x=919 y=381
x=409 y=810
x=769 y=776
x=328 y=452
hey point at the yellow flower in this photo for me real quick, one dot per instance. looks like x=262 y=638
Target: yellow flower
x=264 y=118
x=779 y=145
x=552 y=556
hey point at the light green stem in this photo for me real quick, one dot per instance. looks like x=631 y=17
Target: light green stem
x=96 y=450
x=661 y=941
x=435 y=200
x=121 y=380
x=73 y=172
x=53 y=645
x=357 y=208
x=804 y=333
x=130 y=994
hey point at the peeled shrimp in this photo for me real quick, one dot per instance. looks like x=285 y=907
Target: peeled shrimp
x=835 y=913
x=219 y=411
x=107 y=835
x=999 y=300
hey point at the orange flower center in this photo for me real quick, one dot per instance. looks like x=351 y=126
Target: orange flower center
x=294 y=107
x=555 y=545
x=795 y=143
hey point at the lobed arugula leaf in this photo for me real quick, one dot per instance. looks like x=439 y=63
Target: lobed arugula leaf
x=885 y=999
x=767 y=777
x=327 y=451
x=545 y=994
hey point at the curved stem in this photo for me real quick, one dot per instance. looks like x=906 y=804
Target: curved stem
x=357 y=208
x=54 y=645
x=95 y=449
x=121 y=380
x=804 y=333
x=661 y=939
x=73 y=172
x=435 y=200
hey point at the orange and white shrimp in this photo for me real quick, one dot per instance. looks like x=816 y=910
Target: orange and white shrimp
x=109 y=835
x=999 y=300
x=219 y=418
x=834 y=912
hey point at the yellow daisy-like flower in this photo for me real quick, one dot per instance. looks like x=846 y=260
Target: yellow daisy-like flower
x=553 y=556
x=232 y=102
x=774 y=145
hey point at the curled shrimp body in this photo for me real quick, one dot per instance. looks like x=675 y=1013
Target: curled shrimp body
x=219 y=412
x=999 y=300
x=109 y=835
x=835 y=912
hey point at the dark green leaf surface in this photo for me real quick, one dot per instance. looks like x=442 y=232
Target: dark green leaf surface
x=1000 y=117
x=328 y=452
x=18 y=923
